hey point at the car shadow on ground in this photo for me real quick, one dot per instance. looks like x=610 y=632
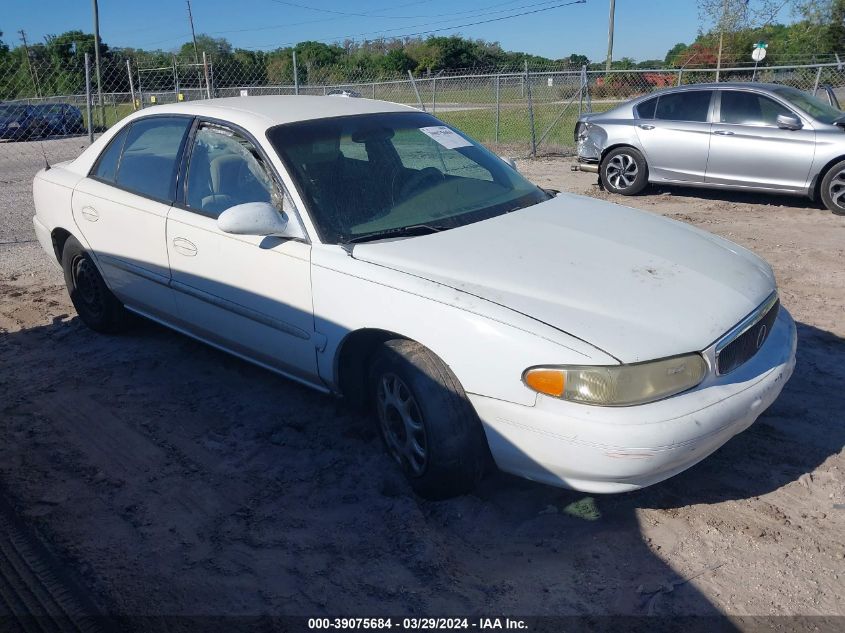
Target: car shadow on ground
x=176 y=479
x=735 y=196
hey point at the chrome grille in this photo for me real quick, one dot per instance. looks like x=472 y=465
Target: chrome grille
x=750 y=337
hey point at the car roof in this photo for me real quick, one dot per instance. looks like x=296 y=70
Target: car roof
x=753 y=85
x=278 y=109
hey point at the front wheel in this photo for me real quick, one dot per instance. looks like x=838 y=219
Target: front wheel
x=833 y=188
x=428 y=426
x=624 y=171
x=95 y=304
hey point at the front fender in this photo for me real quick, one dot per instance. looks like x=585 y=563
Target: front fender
x=486 y=345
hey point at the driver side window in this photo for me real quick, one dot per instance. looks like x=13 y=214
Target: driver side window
x=225 y=170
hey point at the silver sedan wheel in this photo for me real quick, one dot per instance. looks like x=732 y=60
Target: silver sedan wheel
x=401 y=424
x=622 y=171
x=836 y=189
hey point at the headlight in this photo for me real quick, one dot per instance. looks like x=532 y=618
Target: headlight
x=618 y=385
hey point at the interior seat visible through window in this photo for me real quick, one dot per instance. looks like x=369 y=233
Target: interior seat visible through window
x=225 y=170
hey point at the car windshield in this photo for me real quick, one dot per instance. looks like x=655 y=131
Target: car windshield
x=813 y=106
x=375 y=175
x=12 y=110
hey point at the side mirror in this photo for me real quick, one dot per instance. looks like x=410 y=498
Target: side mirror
x=511 y=162
x=258 y=218
x=789 y=122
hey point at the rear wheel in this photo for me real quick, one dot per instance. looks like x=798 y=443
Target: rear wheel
x=98 y=308
x=833 y=188
x=624 y=171
x=427 y=424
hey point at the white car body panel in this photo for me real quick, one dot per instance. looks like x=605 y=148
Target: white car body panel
x=126 y=232
x=219 y=294
x=568 y=281
x=590 y=262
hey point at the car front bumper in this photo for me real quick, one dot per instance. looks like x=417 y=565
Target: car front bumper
x=617 y=449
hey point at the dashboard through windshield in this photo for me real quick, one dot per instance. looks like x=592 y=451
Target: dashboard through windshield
x=374 y=174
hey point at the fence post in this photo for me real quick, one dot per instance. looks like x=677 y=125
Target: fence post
x=433 y=95
x=417 y=92
x=295 y=75
x=175 y=79
x=527 y=83
x=131 y=83
x=498 y=78
x=88 y=114
x=374 y=90
x=818 y=79
x=680 y=75
x=205 y=72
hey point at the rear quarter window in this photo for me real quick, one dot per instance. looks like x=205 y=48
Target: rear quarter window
x=645 y=110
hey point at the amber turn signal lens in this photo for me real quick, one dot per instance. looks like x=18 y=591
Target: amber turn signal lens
x=548 y=381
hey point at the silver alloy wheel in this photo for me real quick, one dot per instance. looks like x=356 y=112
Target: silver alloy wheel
x=622 y=171
x=401 y=423
x=836 y=189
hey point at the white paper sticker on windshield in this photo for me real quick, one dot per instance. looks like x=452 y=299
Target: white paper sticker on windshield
x=446 y=137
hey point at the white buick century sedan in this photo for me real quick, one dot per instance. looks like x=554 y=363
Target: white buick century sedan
x=368 y=250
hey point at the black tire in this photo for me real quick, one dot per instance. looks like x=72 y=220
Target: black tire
x=437 y=416
x=98 y=308
x=833 y=188
x=624 y=171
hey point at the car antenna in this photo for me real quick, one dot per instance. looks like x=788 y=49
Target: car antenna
x=44 y=152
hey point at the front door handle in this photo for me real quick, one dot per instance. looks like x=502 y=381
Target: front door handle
x=646 y=126
x=90 y=214
x=184 y=247
x=723 y=133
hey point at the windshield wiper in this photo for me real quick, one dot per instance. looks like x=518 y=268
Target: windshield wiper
x=400 y=231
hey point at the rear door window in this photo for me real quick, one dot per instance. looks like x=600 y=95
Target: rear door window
x=151 y=156
x=691 y=105
x=106 y=167
x=646 y=109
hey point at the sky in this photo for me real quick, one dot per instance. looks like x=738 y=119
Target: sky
x=645 y=29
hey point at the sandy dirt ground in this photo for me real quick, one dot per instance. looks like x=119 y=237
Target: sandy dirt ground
x=173 y=479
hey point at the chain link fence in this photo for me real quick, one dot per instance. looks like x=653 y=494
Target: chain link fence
x=51 y=111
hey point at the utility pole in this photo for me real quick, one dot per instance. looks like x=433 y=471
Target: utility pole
x=96 y=11
x=610 y=35
x=193 y=34
x=721 y=39
x=32 y=70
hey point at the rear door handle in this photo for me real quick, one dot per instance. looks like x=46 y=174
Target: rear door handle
x=723 y=133
x=90 y=214
x=184 y=247
x=646 y=126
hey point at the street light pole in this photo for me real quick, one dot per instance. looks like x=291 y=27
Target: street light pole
x=610 y=21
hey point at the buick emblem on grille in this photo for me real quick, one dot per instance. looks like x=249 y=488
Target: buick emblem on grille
x=761 y=336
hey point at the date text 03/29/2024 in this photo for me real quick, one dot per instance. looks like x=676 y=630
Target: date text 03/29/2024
x=416 y=624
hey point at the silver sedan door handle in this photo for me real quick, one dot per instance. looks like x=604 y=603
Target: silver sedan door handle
x=184 y=247
x=723 y=133
x=646 y=126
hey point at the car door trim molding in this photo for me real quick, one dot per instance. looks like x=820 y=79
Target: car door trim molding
x=207 y=297
x=231 y=306
x=135 y=270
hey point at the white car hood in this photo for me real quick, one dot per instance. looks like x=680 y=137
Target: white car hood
x=635 y=285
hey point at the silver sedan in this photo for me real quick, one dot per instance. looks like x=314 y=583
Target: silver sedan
x=749 y=136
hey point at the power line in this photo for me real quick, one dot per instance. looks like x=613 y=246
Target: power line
x=429 y=31
x=369 y=14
